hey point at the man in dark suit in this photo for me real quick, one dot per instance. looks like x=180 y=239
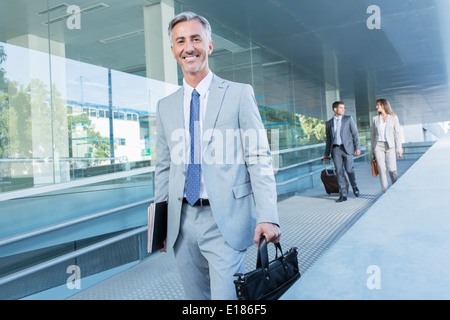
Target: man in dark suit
x=342 y=142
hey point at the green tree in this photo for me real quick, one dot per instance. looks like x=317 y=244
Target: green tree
x=314 y=130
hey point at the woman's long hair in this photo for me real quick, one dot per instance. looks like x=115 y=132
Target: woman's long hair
x=386 y=105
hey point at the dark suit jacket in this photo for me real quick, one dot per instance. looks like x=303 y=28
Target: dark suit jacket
x=349 y=135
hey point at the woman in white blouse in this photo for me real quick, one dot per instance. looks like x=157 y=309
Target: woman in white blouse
x=386 y=140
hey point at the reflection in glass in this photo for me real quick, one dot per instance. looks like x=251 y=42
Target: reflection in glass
x=62 y=134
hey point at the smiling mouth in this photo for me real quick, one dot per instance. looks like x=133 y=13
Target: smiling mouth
x=190 y=58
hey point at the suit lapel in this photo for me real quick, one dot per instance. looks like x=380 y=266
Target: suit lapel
x=331 y=126
x=175 y=109
x=215 y=99
x=343 y=123
x=389 y=122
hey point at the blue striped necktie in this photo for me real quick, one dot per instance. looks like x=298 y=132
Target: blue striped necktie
x=194 y=167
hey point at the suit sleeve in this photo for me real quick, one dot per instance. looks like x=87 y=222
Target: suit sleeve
x=355 y=134
x=327 y=139
x=258 y=159
x=162 y=168
x=397 y=135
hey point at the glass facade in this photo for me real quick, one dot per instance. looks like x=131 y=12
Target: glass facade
x=79 y=84
x=78 y=97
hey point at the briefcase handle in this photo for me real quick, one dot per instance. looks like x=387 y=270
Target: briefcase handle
x=262 y=260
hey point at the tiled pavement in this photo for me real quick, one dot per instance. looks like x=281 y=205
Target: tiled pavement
x=311 y=221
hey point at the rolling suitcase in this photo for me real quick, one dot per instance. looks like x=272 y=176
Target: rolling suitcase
x=329 y=179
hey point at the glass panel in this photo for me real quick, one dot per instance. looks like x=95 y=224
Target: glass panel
x=26 y=113
x=74 y=97
x=289 y=100
x=94 y=95
x=98 y=115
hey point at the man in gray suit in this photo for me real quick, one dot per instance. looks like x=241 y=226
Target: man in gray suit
x=342 y=141
x=214 y=168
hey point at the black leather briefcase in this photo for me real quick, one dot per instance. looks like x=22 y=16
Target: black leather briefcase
x=270 y=279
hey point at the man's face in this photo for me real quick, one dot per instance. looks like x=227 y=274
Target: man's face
x=191 y=46
x=340 y=110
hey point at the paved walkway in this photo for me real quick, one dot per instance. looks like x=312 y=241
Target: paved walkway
x=399 y=249
x=311 y=221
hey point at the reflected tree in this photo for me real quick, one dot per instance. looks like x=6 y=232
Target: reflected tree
x=297 y=130
x=100 y=144
x=4 y=119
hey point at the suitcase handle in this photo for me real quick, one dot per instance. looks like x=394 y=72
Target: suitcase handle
x=326 y=169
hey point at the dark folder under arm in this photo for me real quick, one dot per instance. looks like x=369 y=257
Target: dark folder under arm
x=157 y=226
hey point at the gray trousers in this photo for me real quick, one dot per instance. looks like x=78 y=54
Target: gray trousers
x=386 y=158
x=206 y=262
x=343 y=160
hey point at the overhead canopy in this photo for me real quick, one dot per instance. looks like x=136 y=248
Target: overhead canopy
x=408 y=56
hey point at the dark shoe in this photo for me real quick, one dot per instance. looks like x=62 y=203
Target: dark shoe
x=341 y=199
x=356 y=191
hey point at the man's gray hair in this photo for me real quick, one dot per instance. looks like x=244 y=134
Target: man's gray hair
x=187 y=16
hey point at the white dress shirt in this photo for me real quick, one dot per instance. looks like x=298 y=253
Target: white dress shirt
x=382 y=129
x=337 y=135
x=203 y=89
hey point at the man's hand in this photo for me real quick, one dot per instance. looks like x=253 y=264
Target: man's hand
x=325 y=158
x=270 y=230
x=164 y=249
x=357 y=153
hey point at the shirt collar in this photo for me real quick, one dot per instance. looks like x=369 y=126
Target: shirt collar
x=202 y=88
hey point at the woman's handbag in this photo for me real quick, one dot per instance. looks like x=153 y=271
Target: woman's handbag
x=270 y=279
x=374 y=168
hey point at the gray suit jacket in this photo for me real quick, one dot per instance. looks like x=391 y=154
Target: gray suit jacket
x=238 y=176
x=393 y=136
x=349 y=135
